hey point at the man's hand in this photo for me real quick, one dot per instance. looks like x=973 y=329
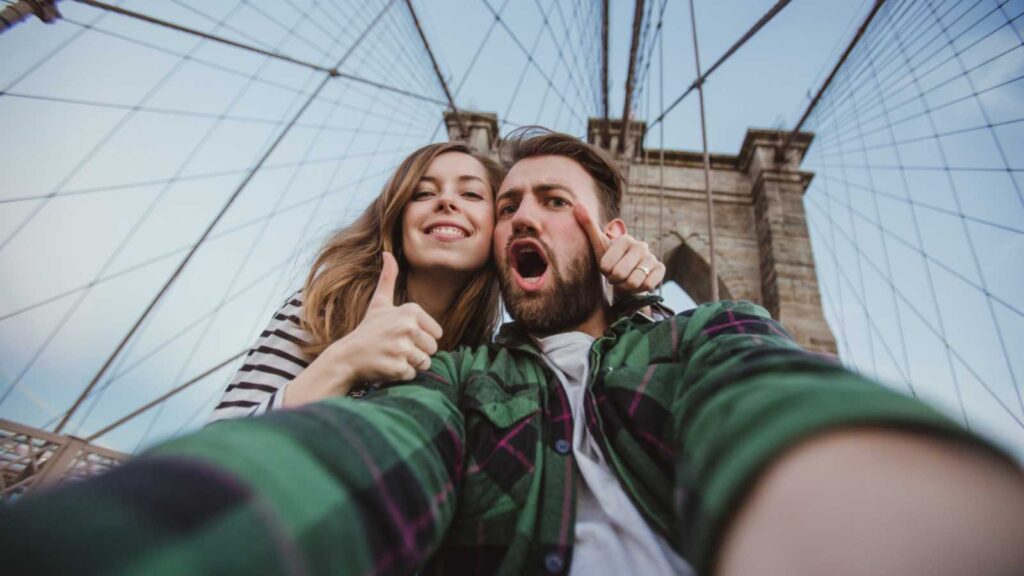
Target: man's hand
x=625 y=261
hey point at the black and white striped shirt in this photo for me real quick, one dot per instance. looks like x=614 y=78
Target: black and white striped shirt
x=274 y=361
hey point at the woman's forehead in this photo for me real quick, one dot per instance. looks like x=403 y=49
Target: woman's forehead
x=455 y=165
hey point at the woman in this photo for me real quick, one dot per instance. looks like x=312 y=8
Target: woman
x=423 y=244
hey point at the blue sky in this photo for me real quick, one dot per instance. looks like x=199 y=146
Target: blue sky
x=122 y=146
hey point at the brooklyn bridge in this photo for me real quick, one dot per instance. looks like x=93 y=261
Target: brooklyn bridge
x=169 y=169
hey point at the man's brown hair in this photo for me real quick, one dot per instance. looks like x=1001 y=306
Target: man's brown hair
x=533 y=141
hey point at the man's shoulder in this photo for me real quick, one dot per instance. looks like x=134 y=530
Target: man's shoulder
x=708 y=320
x=714 y=312
x=490 y=357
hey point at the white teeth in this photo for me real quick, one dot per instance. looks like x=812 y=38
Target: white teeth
x=448 y=231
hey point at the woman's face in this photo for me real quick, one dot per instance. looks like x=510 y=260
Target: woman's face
x=448 y=222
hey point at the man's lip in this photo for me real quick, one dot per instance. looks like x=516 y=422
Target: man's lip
x=519 y=245
x=536 y=284
x=533 y=285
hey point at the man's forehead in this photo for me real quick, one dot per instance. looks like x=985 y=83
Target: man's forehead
x=547 y=172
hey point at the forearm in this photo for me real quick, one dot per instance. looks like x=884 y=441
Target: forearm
x=748 y=396
x=880 y=501
x=341 y=486
x=320 y=380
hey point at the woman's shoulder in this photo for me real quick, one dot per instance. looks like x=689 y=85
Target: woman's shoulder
x=290 y=310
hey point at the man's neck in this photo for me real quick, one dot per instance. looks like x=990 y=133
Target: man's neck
x=594 y=326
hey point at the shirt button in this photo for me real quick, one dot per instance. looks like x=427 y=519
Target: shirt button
x=563 y=447
x=553 y=562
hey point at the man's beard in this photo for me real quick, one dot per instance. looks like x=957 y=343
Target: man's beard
x=567 y=303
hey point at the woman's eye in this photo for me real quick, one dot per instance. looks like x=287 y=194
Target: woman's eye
x=421 y=194
x=473 y=195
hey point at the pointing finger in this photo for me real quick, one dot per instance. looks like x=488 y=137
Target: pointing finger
x=598 y=239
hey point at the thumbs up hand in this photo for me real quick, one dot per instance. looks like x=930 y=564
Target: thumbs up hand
x=391 y=343
x=625 y=261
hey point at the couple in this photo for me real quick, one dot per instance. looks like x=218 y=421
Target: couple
x=424 y=245
x=587 y=439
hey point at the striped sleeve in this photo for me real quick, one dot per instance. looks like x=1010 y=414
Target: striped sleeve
x=274 y=360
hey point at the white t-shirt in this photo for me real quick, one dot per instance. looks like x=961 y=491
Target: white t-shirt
x=611 y=535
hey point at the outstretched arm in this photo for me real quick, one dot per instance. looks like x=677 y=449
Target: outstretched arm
x=342 y=486
x=876 y=501
x=790 y=463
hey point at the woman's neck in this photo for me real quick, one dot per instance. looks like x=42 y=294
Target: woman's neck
x=433 y=291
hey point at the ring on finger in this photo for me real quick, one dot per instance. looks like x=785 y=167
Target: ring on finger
x=424 y=362
x=643 y=269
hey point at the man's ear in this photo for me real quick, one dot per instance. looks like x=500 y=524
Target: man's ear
x=615 y=228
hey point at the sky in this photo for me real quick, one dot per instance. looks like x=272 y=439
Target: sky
x=123 y=141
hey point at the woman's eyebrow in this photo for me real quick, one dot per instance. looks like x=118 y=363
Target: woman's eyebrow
x=463 y=178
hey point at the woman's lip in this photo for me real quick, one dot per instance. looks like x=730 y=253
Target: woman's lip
x=447 y=223
x=446 y=236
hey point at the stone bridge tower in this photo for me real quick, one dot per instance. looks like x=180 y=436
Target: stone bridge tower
x=763 y=249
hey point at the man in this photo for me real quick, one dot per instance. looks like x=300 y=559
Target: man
x=587 y=440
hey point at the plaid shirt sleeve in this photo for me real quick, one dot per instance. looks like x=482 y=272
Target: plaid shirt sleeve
x=343 y=486
x=748 y=393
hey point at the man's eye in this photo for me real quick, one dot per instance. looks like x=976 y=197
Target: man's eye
x=506 y=210
x=559 y=203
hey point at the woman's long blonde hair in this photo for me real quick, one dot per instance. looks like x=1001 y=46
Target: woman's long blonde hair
x=344 y=275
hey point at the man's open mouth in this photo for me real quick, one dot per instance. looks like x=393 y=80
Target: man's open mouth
x=529 y=264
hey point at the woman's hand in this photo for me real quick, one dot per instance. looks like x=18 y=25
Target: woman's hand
x=625 y=261
x=391 y=343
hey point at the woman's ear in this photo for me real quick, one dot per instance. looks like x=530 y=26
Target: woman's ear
x=615 y=228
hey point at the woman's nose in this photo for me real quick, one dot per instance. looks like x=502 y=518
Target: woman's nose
x=446 y=203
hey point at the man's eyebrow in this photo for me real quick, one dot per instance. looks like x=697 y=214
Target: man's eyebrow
x=549 y=186
x=515 y=192
x=542 y=188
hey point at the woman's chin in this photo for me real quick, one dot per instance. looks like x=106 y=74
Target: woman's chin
x=458 y=266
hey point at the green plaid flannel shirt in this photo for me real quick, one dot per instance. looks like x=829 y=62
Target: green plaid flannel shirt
x=468 y=469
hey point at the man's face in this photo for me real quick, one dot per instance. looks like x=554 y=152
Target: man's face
x=547 y=269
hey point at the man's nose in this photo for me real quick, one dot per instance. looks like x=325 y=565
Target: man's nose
x=526 y=218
